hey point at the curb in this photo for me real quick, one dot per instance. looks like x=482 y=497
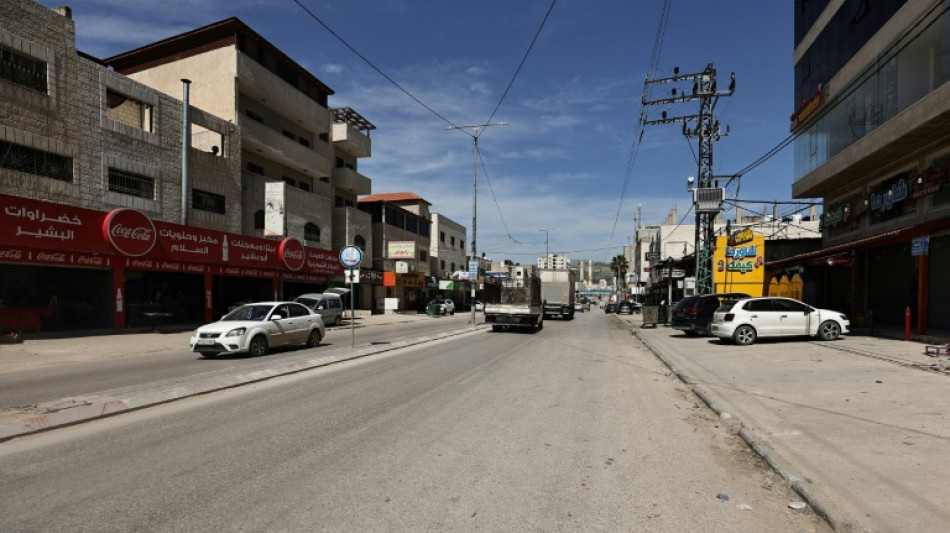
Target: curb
x=767 y=453
x=69 y=411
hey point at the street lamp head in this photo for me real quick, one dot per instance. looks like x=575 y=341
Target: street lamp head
x=689 y=182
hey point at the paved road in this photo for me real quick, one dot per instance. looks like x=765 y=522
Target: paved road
x=574 y=428
x=39 y=371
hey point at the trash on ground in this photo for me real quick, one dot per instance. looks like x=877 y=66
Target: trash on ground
x=723 y=497
x=744 y=507
x=797 y=505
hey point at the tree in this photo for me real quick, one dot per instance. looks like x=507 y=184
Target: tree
x=619 y=266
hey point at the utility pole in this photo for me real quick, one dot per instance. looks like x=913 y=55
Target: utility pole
x=476 y=128
x=707 y=195
x=547 y=254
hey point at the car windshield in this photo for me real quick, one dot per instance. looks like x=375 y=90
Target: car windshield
x=726 y=306
x=248 y=312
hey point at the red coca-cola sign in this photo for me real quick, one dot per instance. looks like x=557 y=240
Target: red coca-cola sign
x=130 y=232
x=291 y=253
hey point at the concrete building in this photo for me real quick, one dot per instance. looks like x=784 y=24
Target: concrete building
x=447 y=250
x=553 y=260
x=401 y=237
x=872 y=140
x=99 y=191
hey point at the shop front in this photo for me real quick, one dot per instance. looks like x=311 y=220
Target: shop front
x=121 y=269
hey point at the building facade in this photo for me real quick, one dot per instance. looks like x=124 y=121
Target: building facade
x=872 y=141
x=400 y=249
x=104 y=207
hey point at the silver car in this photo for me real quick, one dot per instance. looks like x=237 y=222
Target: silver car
x=256 y=327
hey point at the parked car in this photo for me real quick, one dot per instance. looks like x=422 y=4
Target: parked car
x=693 y=314
x=579 y=306
x=610 y=307
x=328 y=305
x=254 y=328
x=745 y=320
x=625 y=308
x=445 y=306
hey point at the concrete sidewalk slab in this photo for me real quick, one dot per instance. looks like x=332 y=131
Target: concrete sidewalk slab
x=859 y=426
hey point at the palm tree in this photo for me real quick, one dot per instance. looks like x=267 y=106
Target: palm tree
x=619 y=265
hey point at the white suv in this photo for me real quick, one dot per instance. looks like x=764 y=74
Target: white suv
x=446 y=306
x=745 y=320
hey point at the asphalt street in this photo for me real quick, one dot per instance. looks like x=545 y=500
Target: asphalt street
x=859 y=426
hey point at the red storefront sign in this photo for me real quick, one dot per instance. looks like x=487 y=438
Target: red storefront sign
x=292 y=253
x=129 y=231
x=85 y=237
x=28 y=223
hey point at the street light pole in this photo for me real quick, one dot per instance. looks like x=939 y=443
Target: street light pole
x=547 y=253
x=476 y=128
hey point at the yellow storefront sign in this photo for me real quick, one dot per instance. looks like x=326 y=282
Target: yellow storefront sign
x=740 y=267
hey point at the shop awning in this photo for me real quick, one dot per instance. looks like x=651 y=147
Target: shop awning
x=838 y=248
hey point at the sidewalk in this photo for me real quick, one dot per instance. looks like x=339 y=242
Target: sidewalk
x=859 y=426
x=40 y=352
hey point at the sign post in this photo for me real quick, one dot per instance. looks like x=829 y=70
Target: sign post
x=350 y=258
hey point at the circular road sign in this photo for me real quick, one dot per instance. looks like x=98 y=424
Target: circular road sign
x=351 y=256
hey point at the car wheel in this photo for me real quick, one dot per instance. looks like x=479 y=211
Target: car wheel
x=452 y=312
x=829 y=330
x=258 y=346
x=337 y=320
x=744 y=335
x=314 y=339
x=496 y=328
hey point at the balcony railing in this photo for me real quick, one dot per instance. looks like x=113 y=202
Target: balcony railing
x=351 y=181
x=351 y=140
x=257 y=137
x=267 y=88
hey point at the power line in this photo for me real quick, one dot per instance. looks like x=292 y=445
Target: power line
x=372 y=65
x=638 y=137
x=523 y=60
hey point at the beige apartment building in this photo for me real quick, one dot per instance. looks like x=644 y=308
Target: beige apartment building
x=103 y=207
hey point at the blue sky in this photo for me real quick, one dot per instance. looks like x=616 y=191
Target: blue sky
x=564 y=158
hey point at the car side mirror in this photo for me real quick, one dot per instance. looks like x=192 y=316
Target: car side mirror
x=276 y=317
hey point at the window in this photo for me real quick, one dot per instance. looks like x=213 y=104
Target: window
x=259 y=219
x=304 y=186
x=289 y=134
x=304 y=142
x=452 y=241
x=359 y=242
x=290 y=181
x=441 y=236
x=132 y=184
x=338 y=201
x=128 y=111
x=423 y=256
x=208 y=201
x=412 y=224
x=37 y=162
x=254 y=168
x=22 y=70
x=453 y=267
x=442 y=265
x=311 y=232
x=253 y=116
x=764 y=304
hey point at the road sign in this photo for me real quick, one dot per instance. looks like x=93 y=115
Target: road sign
x=496 y=275
x=351 y=275
x=351 y=256
x=473 y=265
x=653 y=257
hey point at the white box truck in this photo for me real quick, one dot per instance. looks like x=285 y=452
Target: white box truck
x=514 y=301
x=558 y=292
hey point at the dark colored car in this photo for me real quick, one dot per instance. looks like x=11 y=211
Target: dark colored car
x=694 y=313
x=611 y=307
x=626 y=308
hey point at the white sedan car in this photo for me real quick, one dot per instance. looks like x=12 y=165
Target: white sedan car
x=255 y=327
x=747 y=319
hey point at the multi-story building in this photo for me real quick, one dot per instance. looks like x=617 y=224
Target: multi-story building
x=553 y=260
x=133 y=205
x=447 y=250
x=872 y=140
x=400 y=249
x=288 y=134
